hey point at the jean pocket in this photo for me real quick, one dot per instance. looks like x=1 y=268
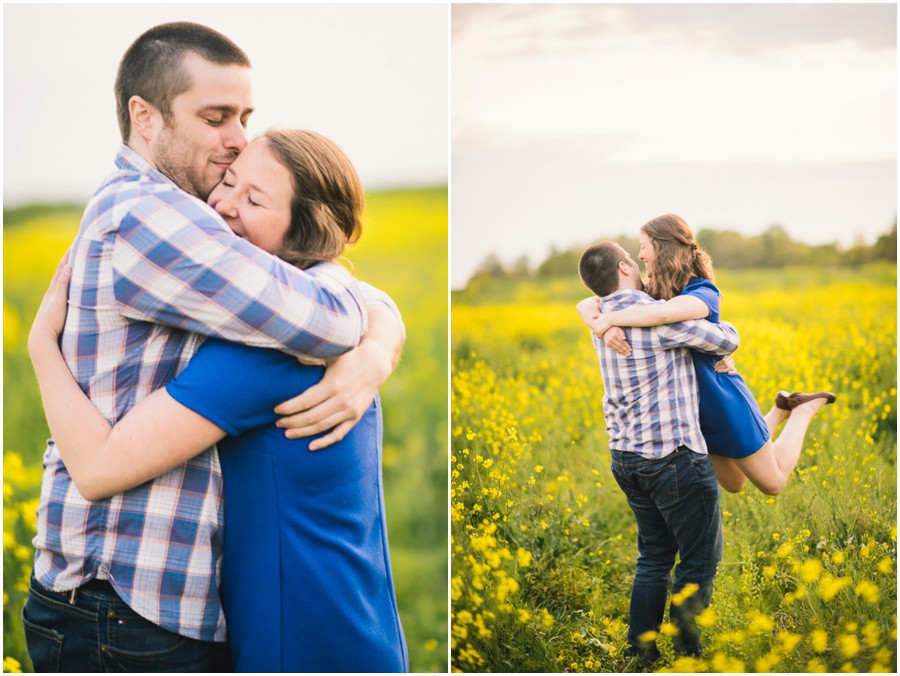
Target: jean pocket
x=44 y=643
x=702 y=467
x=136 y=644
x=660 y=483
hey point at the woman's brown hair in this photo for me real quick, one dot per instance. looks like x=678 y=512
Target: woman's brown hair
x=678 y=257
x=328 y=199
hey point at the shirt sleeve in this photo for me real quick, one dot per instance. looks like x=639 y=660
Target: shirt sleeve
x=237 y=387
x=175 y=263
x=699 y=334
x=375 y=296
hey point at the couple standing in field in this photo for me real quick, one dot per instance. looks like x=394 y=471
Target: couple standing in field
x=169 y=420
x=680 y=420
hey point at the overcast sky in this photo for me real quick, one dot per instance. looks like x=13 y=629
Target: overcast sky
x=371 y=77
x=572 y=123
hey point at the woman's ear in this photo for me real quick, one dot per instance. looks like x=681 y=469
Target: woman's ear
x=143 y=116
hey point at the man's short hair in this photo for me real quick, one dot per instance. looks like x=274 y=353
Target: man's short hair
x=153 y=67
x=599 y=267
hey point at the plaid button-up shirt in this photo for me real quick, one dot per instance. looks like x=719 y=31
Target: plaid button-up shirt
x=650 y=398
x=154 y=270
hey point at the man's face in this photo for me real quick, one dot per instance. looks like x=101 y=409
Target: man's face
x=207 y=128
x=636 y=272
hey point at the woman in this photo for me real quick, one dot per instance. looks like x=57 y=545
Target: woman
x=739 y=437
x=306 y=573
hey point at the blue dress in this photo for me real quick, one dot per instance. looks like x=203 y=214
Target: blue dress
x=730 y=419
x=306 y=574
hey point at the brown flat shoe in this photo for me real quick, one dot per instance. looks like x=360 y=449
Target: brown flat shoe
x=781 y=400
x=788 y=402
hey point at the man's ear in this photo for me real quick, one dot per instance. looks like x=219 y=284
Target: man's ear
x=143 y=115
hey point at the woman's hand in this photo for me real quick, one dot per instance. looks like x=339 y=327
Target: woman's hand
x=615 y=341
x=51 y=315
x=601 y=325
x=726 y=365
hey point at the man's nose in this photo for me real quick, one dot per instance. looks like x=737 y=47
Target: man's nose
x=235 y=136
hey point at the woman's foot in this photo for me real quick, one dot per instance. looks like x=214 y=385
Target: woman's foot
x=788 y=402
x=809 y=404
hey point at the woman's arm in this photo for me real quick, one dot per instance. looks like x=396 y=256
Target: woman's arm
x=588 y=309
x=156 y=436
x=678 y=309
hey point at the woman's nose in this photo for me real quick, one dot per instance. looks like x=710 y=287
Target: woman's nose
x=227 y=205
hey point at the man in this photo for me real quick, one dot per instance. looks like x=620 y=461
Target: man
x=659 y=456
x=131 y=583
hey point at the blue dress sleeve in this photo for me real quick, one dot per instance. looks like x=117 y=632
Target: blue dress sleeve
x=706 y=291
x=237 y=387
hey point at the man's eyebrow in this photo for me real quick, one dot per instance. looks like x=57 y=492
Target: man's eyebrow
x=224 y=108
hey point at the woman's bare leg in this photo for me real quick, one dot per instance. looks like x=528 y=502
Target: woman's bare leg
x=774 y=418
x=730 y=476
x=771 y=466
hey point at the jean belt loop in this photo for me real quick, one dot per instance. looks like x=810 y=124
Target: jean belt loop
x=72 y=597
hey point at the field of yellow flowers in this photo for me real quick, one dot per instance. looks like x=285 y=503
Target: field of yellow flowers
x=544 y=544
x=403 y=251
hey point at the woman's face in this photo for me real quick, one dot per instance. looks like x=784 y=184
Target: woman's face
x=255 y=196
x=647 y=254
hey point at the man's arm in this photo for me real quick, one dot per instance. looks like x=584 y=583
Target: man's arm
x=699 y=334
x=176 y=263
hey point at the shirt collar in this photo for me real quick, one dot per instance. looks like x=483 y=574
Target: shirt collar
x=129 y=159
x=625 y=297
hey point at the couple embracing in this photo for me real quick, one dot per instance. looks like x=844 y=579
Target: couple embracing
x=680 y=420
x=180 y=353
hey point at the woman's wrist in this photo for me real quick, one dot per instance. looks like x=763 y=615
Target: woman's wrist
x=42 y=346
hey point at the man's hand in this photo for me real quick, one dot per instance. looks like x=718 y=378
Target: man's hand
x=615 y=341
x=348 y=387
x=726 y=365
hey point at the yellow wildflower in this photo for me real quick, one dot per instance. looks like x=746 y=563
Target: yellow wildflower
x=523 y=556
x=648 y=636
x=11 y=666
x=848 y=644
x=707 y=618
x=872 y=634
x=810 y=570
x=785 y=550
x=819 y=640
x=868 y=591
x=668 y=629
x=816 y=666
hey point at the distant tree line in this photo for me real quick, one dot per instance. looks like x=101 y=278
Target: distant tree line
x=729 y=250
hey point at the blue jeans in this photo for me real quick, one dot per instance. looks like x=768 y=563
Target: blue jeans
x=93 y=630
x=676 y=503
